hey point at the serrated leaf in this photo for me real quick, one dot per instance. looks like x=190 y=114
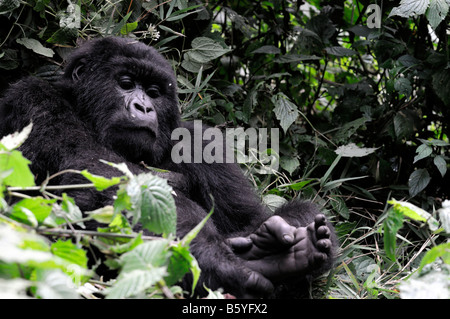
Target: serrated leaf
x=146 y=256
x=54 y=285
x=418 y=180
x=153 y=204
x=179 y=263
x=410 y=8
x=70 y=253
x=21 y=175
x=32 y=211
x=8 y=6
x=441 y=164
x=290 y=164
x=205 y=50
x=437 y=12
x=101 y=183
x=36 y=46
x=273 y=202
x=128 y=28
x=135 y=282
x=422 y=151
x=285 y=111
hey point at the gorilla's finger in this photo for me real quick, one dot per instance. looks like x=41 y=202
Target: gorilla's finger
x=278 y=227
x=320 y=220
x=324 y=245
x=239 y=244
x=258 y=286
x=323 y=232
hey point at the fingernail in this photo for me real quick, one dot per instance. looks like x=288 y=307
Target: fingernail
x=288 y=238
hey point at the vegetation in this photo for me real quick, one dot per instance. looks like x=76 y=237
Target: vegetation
x=360 y=93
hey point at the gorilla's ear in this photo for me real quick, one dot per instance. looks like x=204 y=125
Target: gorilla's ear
x=78 y=69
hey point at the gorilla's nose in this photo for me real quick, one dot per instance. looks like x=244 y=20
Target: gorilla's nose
x=143 y=108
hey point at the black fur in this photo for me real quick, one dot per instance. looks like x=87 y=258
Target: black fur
x=79 y=120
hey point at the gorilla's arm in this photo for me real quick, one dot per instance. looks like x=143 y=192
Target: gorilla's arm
x=60 y=140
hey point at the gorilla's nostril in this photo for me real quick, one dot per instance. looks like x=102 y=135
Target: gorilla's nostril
x=142 y=109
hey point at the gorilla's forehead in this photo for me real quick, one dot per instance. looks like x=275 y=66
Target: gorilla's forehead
x=143 y=69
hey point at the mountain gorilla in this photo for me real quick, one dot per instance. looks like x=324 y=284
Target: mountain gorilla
x=117 y=101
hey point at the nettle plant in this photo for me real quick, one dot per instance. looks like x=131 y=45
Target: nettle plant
x=44 y=244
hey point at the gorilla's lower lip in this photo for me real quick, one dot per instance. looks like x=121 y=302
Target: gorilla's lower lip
x=132 y=127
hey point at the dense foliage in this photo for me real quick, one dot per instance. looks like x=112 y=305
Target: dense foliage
x=360 y=93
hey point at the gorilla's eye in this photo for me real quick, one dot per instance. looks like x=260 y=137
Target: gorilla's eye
x=126 y=83
x=153 y=91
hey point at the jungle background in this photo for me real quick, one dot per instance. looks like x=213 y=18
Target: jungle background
x=360 y=91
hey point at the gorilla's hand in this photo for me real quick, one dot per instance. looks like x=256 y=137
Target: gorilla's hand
x=277 y=250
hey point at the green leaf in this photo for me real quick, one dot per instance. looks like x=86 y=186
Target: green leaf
x=348 y=129
x=340 y=207
x=205 y=50
x=21 y=175
x=403 y=86
x=440 y=251
x=36 y=46
x=441 y=84
x=9 y=6
x=146 y=256
x=391 y=225
x=101 y=183
x=128 y=28
x=285 y=111
x=267 y=49
x=73 y=212
x=104 y=215
x=32 y=211
x=340 y=51
x=415 y=213
x=290 y=164
x=418 y=180
x=299 y=185
x=135 y=282
x=437 y=12
x=187 y=239
x=180 y=263
x=153 y=204
x=273 y=202
x=441 y=164
x=70 y=253
x=54 y=285
x=295 y=58
x=423 y=151
x=410 y=8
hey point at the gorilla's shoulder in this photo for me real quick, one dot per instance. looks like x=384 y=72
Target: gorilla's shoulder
x=31 y=92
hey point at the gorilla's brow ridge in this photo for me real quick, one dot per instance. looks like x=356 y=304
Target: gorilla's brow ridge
x=142 y=69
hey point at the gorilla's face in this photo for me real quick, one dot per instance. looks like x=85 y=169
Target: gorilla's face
x=126 y=92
